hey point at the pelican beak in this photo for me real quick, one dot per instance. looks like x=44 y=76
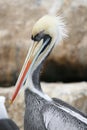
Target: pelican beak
x=33 y=52
x=32 y=56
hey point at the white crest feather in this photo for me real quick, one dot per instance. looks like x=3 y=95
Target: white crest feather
x=61 y=28
x=51 y=25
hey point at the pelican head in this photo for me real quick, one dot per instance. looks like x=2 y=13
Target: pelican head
x=50 y=26
x=46 y=32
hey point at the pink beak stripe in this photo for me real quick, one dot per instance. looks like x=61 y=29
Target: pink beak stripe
x=20 y=82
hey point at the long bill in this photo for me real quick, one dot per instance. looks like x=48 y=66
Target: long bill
x=22 y=77
x=29 y=61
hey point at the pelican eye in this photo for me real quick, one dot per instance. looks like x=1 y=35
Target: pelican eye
x=38 y=36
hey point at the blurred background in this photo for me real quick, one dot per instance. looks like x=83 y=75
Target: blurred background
x=66 y=67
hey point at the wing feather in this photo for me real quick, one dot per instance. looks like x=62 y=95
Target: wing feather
x=57 y=119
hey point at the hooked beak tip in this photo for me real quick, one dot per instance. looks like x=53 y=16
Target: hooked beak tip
x=10 y=102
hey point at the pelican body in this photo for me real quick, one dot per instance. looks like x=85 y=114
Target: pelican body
x=41 y=114
x=41 y=111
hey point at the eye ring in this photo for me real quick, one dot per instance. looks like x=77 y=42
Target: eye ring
x=38 y=36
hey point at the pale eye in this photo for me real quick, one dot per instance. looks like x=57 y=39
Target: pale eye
x=38 y=36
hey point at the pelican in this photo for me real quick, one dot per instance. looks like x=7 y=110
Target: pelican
x=41 y=111
x=5 y=122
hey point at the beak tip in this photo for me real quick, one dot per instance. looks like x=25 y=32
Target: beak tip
x=10 y=102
